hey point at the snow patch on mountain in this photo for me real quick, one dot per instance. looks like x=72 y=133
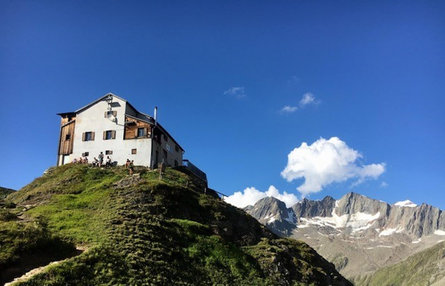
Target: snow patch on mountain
x=406 y=203
x=291 y=217
x=390 y=231
x=361 y=221
x=357 y=221
x=439 y=232
x=270 y=218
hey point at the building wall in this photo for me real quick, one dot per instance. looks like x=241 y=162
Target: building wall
x=67 y=138
x=131 y=129
x=169 y=147
x=93 y=120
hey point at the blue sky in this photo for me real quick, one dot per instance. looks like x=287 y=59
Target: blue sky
x=374 y=68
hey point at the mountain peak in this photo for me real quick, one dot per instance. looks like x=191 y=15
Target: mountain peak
x=270 y=200
x=353 y=195
x=357 y=203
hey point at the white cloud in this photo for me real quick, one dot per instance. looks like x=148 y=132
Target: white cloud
x=236 y=91
x=288 y=109
x=251 y=195
x=383 y=184
x=325 y=162
x=308 y=98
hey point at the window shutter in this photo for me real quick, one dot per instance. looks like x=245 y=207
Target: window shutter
x=83 y=136
x=92 y=136
x=105 y=135
x=114 y=113
x=113 y=134
x=105 y=114
x=136 y=133
x=146 y=132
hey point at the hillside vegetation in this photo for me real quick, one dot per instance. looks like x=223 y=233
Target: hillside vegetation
x=140 y=230
x=4 y=192
x=424 y=268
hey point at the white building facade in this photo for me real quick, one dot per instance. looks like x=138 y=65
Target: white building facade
x=111 y=125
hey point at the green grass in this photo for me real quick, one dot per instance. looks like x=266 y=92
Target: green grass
x=145 y=230
x=423 y=268
x=4 y=192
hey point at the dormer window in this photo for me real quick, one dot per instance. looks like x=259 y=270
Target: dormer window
x=141 y=132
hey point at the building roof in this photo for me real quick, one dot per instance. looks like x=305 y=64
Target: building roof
x=67 y=113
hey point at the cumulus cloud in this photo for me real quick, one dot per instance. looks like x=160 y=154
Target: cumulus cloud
x=236 y=91
x=251 y=195
x=325 y=162
x=288 y=109
x=308 y=98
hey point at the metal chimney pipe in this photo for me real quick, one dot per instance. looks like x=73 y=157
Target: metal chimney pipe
x=156 y=114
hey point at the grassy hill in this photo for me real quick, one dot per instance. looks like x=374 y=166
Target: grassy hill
x=424 y=268
x=4 y=192
x=139 y=230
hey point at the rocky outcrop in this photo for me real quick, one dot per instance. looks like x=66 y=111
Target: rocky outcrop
x=308 y=208
x=274 y=213
x=354 y=203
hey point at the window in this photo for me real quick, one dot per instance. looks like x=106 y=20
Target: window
x=85 y=154
x=165 y=138
x=177 y=148
x=176 y=163
x=109 y=134
x=88 y=136
x=67 y=136
x=110 y=113
x=141 y=132
x=134 y=151
x=165 y=155
x=108 y=152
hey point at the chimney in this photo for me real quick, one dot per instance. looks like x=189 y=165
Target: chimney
x=156 y=115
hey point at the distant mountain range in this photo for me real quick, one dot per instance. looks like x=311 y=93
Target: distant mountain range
x=358 y=234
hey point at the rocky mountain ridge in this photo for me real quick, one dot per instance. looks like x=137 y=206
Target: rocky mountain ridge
x=358 y=234
x=352 y=213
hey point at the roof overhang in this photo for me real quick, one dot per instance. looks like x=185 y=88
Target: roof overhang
x=65 y=114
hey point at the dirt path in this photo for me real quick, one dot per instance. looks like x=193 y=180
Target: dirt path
x=40 y=269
